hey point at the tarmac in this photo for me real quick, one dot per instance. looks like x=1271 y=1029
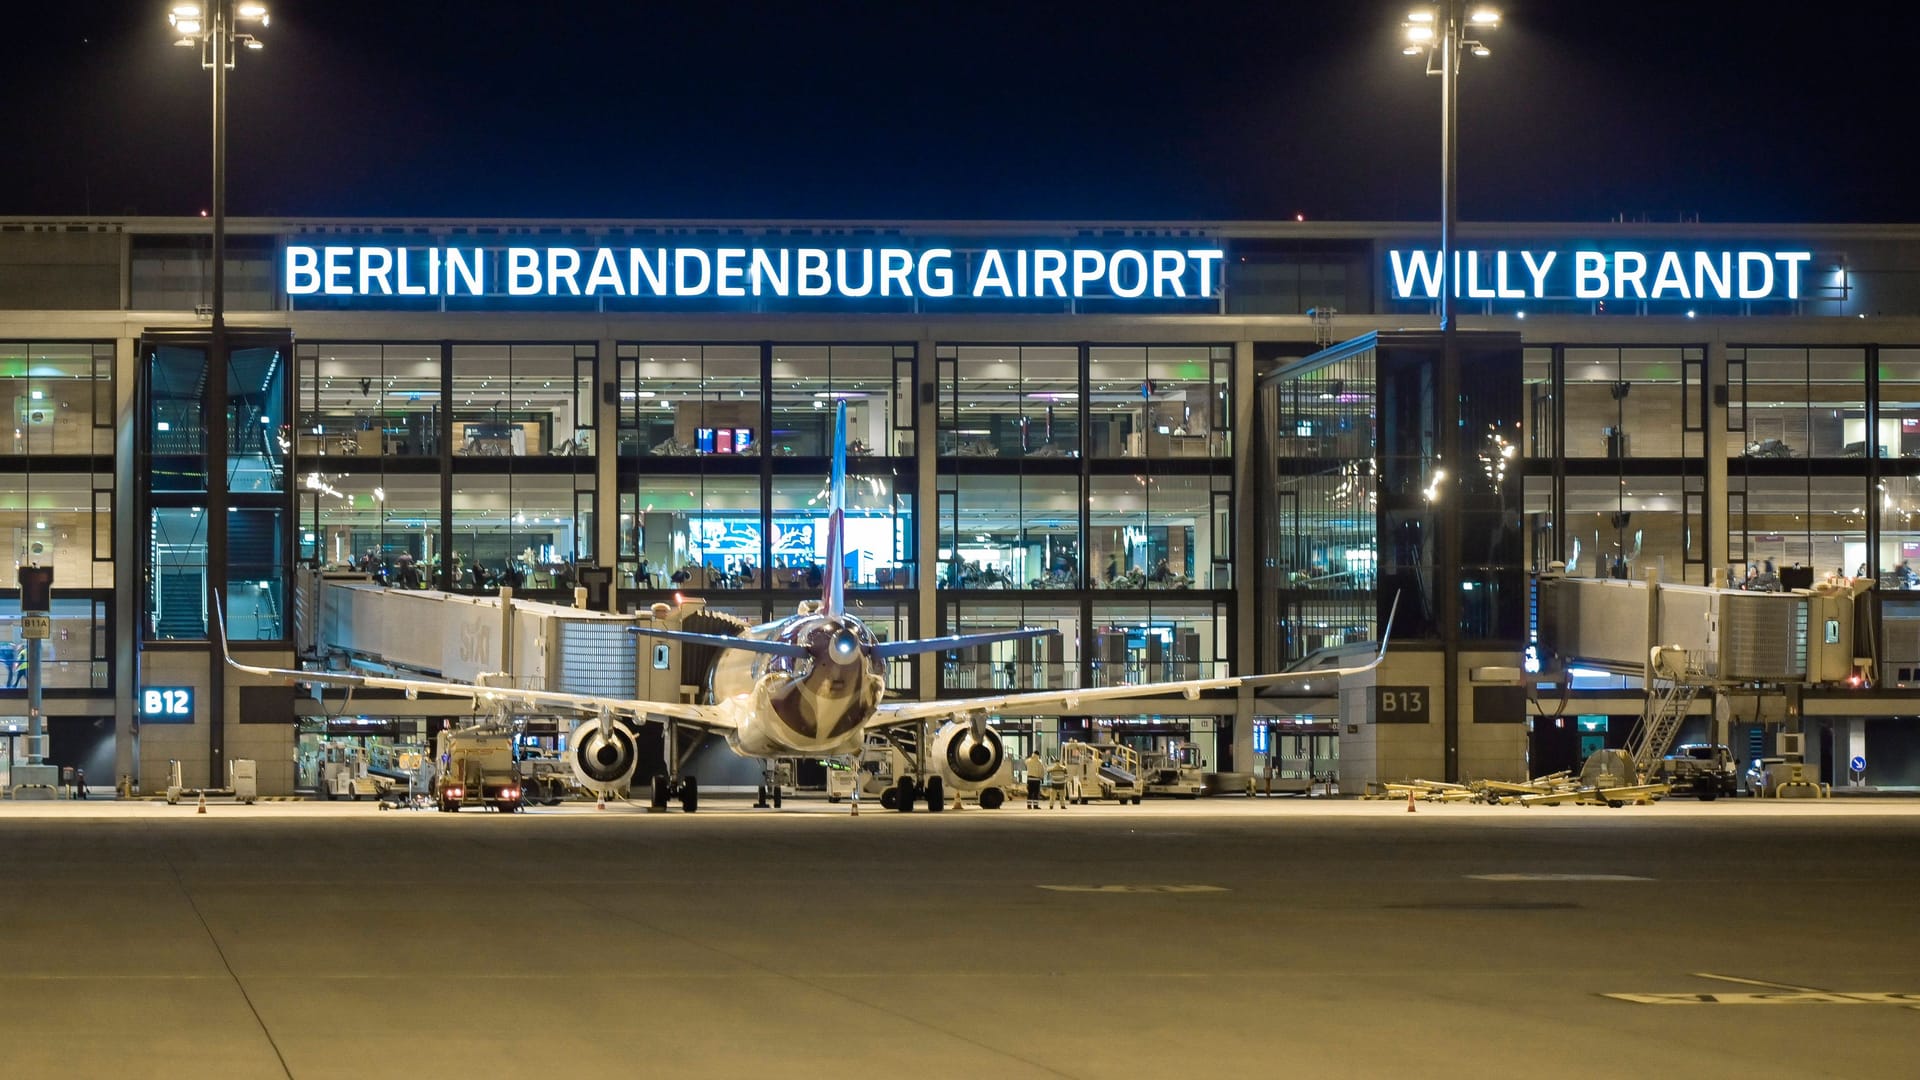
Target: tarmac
x=1218 y=937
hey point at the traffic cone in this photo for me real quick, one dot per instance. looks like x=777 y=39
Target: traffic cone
x=602 y=804
x=1410 y=808
x=856 y=807
x=203 y=804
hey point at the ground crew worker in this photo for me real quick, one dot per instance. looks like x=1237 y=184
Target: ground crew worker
x=1034 y=769
x=1056 y=784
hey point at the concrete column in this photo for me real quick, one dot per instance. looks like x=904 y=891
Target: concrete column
x=606 y=458
x=926 y=508
x=1246 y=598
x=1849 y=742
x=126 y=603
x=1714 y=518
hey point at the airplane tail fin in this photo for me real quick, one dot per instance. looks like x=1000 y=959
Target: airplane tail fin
x=833 y=586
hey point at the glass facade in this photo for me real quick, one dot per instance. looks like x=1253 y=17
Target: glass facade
x=370 y=401
x=1011 y=401
x=1356 y=454
x=1079 y=470
x=676 y=399
x=706 y=429
x=510 y=427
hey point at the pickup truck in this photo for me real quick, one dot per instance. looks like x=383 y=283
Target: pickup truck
x=1704 y=770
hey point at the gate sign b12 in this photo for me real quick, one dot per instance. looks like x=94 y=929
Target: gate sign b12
x=166 y=705
x=1400 y=704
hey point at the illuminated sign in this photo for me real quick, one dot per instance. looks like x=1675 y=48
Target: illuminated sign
x=352 y=270
x=1594 y=274
x=166 y=704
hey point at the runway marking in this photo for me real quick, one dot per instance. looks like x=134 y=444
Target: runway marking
x=1776 y=993
x=1557 y=877
x=1176 y=889
x=1774 y=997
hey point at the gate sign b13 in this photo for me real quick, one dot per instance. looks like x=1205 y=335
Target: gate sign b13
x=1399 y=704
x=166 y=705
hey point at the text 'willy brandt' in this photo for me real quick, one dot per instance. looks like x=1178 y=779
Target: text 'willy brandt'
x=1595 y=274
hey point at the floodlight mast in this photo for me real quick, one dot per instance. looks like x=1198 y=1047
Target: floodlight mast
x=1440 y=31
x=218 y=28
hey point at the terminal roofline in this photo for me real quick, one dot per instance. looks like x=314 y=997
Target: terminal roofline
x=867 y=230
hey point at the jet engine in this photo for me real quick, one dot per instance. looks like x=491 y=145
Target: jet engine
x=964 y=760
x=604 y=755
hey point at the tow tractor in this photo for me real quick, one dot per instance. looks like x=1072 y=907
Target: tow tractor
x=345 y=773
x=888 y=769
x=546 y=777
x=1176 y=770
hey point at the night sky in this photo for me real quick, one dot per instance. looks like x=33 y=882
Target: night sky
x=1585 y=111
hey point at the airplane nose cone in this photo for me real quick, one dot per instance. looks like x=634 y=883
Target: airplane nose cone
x=844 y=648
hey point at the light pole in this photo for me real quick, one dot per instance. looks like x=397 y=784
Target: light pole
x=212 y=27
x=220 y=29
x=1440 y=31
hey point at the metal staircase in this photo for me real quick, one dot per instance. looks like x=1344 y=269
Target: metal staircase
x=1676 y=686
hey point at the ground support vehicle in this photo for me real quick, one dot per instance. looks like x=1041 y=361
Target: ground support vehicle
x=345 y=774
x=475 y=768
x=1703 y=770
x=242 y=783
x=1102 y=771
x=888 y=770
x=1176 y=771
x=1785 y=778
x=545 y=778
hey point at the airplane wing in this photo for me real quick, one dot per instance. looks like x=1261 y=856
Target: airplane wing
x=891 y=713
x=541 y=700
x=904 y=711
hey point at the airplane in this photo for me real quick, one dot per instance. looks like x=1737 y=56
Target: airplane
x=811 y=685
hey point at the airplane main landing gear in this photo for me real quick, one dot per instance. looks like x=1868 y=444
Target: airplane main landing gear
x=905 y=792
x=936 y=795
x=686 y=789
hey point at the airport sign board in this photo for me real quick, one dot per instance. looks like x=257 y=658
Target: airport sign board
x=796 y=274
x=1400 y=704
x=1600 y=274
x=166 y=704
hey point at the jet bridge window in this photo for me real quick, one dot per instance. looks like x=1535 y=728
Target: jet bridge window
x=662 y=657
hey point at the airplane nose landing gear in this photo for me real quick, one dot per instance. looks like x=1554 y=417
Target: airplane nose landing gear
x=769 y=787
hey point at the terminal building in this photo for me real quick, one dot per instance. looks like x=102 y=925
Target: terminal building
x=1184 y=445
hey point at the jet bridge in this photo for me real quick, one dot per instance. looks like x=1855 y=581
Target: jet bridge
x=1805 y=636
x=528 y=644
x=1684 y=640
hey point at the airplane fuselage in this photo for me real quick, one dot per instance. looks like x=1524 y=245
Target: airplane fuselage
x=801 y=707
